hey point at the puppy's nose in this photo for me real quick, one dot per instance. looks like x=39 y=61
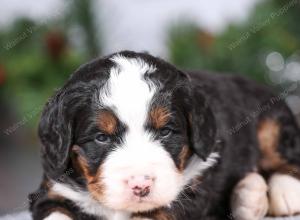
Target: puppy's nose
x=141 y=185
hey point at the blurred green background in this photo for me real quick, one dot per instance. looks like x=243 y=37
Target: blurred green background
x=36 y=57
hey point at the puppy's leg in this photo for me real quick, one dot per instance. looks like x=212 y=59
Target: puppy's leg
x=249 y=199
x=284 y=194
x=279 y=142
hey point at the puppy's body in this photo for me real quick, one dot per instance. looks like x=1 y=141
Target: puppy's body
x=225 y=128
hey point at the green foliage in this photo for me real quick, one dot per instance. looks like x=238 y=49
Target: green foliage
x=31 y=74
x=242 y=48
x=36 y=58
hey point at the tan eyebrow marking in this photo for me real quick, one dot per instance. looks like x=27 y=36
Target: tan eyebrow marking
x=107 y=122
x=159 y=116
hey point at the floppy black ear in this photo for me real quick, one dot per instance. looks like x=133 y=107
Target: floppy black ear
x=202 y=125
x=200 y=118
x=56 y=126
x=55 y=132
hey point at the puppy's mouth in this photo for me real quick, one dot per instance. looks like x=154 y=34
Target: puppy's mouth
x=141 y=200
x=134 y=204
x=141 y=205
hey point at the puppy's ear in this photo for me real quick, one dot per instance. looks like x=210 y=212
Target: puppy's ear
x=202 y=129
x=200 y=119
x=56 y=129
x=55 y=132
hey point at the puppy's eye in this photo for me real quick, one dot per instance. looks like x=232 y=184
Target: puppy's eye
x=102 y=138
x=165 y=132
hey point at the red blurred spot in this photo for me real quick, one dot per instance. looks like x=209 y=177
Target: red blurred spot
x=2 y=74
x=205 y=41
x=55 y=44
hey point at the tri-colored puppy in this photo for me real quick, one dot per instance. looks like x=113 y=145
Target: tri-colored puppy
x=130 y=136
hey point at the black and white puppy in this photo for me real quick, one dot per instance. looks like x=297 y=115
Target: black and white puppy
x=130 y=136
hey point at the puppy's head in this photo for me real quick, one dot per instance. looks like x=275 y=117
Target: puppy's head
x=133 y=127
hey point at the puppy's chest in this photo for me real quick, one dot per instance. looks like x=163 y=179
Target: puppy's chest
x=122 y=216
x=116 y=215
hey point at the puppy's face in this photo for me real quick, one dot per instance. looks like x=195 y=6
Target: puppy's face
x=131 y=139
x=135 y=140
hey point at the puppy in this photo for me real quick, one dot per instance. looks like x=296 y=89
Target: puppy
x=130 y=136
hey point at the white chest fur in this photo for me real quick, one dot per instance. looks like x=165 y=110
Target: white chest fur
x=87 y=203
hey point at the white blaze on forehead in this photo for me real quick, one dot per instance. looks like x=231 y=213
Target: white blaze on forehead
x=127 y=91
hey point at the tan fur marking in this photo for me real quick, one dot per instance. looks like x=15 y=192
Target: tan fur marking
x=290 y=170
x=57 y=197
x=159 y=116
x=46 y=184
x=183 y=157
x=154 y=215
x=107 y=122
x=94 y=184
x=268 y=137
x=163 y=215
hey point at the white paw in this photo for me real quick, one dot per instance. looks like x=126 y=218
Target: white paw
x=249 y=200
x=57 y=216
x=284 y=195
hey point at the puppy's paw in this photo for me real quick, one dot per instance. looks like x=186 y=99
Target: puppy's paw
x=57 y=216
x=284 y=195
x=249 y=200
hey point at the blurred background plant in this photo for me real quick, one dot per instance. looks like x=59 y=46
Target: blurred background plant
x=241 y=48
x=38 y=55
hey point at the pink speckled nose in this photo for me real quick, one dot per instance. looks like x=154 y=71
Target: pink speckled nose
x=141 y=185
